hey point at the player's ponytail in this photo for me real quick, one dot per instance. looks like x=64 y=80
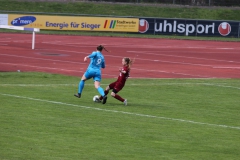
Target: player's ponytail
x=101 y=47
x=105 y=49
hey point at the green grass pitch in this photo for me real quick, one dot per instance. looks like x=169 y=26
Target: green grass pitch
x=165 y=119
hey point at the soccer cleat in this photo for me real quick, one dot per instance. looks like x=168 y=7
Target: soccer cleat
x=125 y=102
x=104 y=100
x=77 y=95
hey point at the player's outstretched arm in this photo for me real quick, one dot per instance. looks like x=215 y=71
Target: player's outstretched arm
x=122 y=71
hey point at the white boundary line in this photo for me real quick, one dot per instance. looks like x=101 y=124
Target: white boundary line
x=123 y=112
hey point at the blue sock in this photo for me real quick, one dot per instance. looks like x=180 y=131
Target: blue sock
x=101 y=91
x=81 y=86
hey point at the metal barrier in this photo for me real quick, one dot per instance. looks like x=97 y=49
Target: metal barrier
x=33 y=30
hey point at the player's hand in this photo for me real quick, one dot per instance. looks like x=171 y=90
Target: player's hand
x=85 y=59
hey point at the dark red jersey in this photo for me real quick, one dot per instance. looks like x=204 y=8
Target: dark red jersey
x=120 y=82
x=123 y=77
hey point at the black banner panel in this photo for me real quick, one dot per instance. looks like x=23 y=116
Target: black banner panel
x=184 y=27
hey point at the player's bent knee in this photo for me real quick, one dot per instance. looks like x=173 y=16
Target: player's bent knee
x=96 y=87
x=113 y=94
x=96 y=84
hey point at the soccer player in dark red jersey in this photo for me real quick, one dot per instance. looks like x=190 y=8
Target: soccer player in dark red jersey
x=120 y=82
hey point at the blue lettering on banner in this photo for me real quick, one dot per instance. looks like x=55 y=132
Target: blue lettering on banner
x=57 y=25
x=25 y=20
x=91 y=26
x=74 y=25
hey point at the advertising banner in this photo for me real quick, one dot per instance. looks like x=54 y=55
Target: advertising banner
x=75 y=23
x=186 y=27
x=3 y=19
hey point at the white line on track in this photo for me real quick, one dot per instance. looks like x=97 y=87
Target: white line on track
x=44 y=59
x=61 y=69
x=224 y=48
x=228 y=67
x=169 y=55
x=123 y=112
x=176 y=73
x=129 y=84
x=54 y=50
x=5 y=41
x=79 y=63
x=127 y=45
x=50 y=68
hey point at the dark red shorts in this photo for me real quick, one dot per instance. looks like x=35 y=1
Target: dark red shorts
x=116 y=86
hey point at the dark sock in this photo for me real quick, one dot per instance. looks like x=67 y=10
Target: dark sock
x=119 y=98
x=105 y=92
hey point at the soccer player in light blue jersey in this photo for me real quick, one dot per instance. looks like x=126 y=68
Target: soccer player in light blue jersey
x=94 y=71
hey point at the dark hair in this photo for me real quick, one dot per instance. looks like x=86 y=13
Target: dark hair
x=101 y=47
x=129 y=61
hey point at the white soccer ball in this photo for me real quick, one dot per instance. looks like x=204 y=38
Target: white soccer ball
x=96 y=98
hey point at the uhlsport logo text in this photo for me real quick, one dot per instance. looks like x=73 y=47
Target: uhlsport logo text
x=187 y=28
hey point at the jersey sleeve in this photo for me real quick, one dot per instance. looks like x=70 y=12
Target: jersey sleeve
x=92 y=55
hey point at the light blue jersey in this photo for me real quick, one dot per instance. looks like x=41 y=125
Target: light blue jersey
x=97 y=61
x=94 y=68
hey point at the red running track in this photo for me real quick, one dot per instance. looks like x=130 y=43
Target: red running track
x=155 y=58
